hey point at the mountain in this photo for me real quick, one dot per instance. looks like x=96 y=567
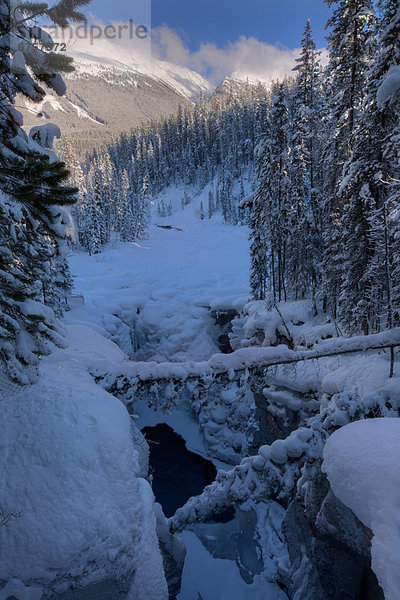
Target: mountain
x=112 y=90
x=234 y=86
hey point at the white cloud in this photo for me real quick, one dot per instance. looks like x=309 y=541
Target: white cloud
x=168 y=45
x=246 y=57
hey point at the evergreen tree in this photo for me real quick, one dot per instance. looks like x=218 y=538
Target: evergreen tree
x=306 y=142
x=351 y=47
x=127 y=226
x=32 y=232
x=268 y=222
x=366 y=301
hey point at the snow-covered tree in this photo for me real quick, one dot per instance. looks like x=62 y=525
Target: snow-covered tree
x=352 y=46
x=306 y=141
x=269 y=223
x=366 y=301
x=127 y=224
x=33 y=189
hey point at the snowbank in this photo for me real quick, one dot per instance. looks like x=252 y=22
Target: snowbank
x=69 y=466
x=362 y=464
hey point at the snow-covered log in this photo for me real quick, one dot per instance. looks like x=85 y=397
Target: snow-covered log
x=276 y=469
x=134 y=375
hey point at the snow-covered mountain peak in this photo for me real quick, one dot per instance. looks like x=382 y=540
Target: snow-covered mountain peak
x=117 y=85
x=104 y=57
x=234 y=85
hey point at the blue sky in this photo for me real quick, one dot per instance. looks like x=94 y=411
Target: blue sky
x=255 y=39
x=223 y=21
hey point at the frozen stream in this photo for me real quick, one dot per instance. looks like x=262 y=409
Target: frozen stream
x=225 y=547
x=165 y=287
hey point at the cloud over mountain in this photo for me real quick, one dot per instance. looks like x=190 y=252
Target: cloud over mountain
x=246 y=57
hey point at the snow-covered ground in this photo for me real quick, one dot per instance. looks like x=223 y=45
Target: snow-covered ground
x=146 y=301
x=164 y=284
x=70 y=469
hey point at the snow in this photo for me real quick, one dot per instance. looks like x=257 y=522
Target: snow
x=389 y=86
x=15 y=588
x=68 y=464
x=163 y=286
x=18 y=62
x=259 y=358
x=83 y=113
x=362 y=464
x=218 y=579
x=45 y=134
x=131 y=56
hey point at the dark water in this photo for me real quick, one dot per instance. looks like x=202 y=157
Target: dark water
x=177 y=473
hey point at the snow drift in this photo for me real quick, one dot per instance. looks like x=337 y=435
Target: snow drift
x=69 y=466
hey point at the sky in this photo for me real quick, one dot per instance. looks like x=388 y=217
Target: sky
x=223 y=21
x=221 y=38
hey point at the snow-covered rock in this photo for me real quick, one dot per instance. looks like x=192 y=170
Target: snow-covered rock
x=69 y=466
x=362 y=464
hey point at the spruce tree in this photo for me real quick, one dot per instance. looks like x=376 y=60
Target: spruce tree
x=307 y=138
x=369 y=184
x=33 y=190
x=269 y=222
x=352 y=47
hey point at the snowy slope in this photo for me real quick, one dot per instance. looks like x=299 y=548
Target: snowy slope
x=70 y=468
x=92 y=58
x=115 y=88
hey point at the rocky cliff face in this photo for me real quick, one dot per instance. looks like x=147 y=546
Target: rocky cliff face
x=329 y=548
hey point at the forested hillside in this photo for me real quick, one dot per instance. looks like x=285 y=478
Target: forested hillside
x=325 y=220
x=211 y=143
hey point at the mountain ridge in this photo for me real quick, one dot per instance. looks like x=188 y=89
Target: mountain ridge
x=112 y=91
x=116 y=87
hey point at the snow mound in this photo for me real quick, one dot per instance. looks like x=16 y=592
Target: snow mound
x=362 y=464
x=69 y=466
